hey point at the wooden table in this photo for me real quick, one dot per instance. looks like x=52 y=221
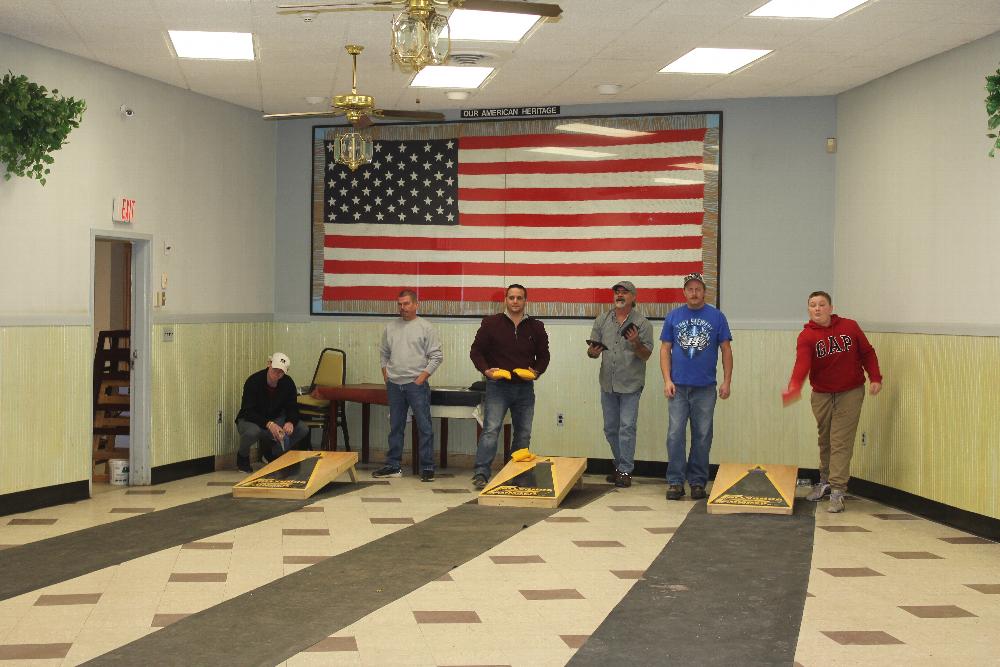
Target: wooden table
x=368 y=394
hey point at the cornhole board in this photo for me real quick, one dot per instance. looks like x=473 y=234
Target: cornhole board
x=542 y=482
x=756 y=488
x=296 y=475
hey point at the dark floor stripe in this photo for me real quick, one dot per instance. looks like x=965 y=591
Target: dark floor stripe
x=726 y=590
x=46 y=562
x=297 y=611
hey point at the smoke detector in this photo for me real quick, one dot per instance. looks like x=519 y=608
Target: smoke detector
x=314 y=99
x=457 y=95
x=609 y=88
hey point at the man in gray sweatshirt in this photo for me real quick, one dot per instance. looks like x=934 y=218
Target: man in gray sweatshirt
x=410 y=352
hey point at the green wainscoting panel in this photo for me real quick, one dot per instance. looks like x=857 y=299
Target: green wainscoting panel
x=934 y=430
x=45 y=406
x=197 y=374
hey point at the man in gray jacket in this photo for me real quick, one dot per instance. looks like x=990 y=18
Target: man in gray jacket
x=410 y=352
x=623 y=339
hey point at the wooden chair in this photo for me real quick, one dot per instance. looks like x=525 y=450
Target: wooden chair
x=111 y=398
x=331 y=371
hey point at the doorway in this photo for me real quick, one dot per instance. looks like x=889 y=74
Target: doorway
x=120 y=448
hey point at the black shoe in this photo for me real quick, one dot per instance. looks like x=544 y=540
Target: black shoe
x=610 y=479
x=388 y=471
x=426 y=475
x=623 y=480
x=697 y=492
x=675 y=491
x=479 y=480
x=243 y=464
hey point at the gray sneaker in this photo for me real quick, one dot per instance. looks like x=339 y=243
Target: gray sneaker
x=818 y=491
x=836 y=502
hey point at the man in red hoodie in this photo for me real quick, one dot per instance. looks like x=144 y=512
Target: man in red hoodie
x=835 y=353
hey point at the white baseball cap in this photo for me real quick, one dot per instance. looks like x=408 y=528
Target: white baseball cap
x=280 y=360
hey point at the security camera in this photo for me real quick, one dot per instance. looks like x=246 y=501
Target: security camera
x=126 y=111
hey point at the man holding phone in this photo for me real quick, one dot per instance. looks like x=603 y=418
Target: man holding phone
x=623 y=339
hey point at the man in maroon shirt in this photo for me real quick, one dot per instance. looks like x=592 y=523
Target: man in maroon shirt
x=835 y=353
x=507 y=341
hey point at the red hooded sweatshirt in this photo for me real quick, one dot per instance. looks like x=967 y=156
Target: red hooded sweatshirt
x=834 y=357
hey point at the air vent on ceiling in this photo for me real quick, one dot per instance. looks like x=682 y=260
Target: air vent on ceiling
x=470 y=58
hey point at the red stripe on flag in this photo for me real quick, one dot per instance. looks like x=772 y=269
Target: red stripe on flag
x=525 y=245
x=576 y=140
x=570 y=220
x=582 y=194
x=538 y=294
x=582 y=167
x=354 y=267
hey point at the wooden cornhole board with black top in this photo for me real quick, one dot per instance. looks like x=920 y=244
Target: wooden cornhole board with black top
x=542 y=482
x=755 y=487
x=296 y=475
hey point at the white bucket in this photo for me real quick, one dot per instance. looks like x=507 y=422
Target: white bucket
x=118 y=470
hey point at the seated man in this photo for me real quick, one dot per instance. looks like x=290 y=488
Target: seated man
x=269 y=414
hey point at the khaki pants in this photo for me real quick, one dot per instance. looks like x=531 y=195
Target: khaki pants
x=837 y=418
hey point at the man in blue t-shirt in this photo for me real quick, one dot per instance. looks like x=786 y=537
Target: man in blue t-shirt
x=691 y=339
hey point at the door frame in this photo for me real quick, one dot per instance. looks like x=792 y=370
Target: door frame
x=140 y=342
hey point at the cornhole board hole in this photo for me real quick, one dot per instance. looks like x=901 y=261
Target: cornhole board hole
x=756 y=488
x=296 y=475
x=542 y=482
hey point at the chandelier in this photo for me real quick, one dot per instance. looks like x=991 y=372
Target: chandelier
x=352 y=149
x=420 y=37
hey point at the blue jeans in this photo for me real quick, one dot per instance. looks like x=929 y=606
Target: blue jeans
x=621 y=412
x=503 y=395
x=251 y=433
x=416 y=397
x=696 y=404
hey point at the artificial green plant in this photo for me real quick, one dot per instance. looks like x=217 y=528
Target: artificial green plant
x=993 y=109
x=33 y=124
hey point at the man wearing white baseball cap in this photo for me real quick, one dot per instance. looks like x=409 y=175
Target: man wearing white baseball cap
x=269 y=413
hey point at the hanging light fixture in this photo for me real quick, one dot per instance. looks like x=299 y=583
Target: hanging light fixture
x=352 y=149
x=420 y=37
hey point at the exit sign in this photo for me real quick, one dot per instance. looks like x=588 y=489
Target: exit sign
x=123 y=210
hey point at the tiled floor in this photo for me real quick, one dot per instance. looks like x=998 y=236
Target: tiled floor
x=886 y=588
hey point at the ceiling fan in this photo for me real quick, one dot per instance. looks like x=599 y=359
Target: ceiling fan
x=420 y=35
x=359 y=109
x=505 y=6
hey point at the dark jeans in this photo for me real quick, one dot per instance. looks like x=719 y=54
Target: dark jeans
x=503 y=395
x=251 y=433
x=416 y=397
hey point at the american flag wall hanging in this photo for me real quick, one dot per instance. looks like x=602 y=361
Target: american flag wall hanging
x=566 y=207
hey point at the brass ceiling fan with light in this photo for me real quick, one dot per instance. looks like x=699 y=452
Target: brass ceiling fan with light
x=358 y=109
x=420 y=35
x=353 y=148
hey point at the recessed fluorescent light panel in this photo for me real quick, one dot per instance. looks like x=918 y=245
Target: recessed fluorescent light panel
x=714 y=61
x=473 y=25
x=807 y=9
x=587 y=128
x=212 y=45
x=449 y=76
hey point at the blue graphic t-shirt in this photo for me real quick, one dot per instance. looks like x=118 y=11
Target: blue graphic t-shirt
x=694 y=337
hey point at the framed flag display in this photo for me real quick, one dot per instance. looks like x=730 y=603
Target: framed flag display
x=564 y=206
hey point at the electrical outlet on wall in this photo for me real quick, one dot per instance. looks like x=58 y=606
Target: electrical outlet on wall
x=560 y=420
x=864 y=439
x=218 y=418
